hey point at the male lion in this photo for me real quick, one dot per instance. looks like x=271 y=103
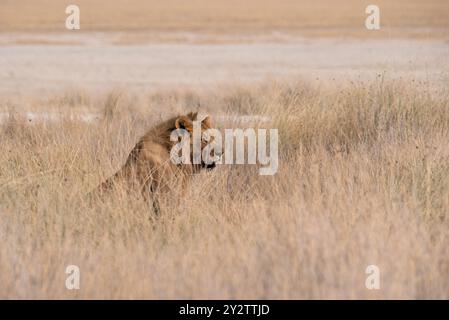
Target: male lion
x=149 y=167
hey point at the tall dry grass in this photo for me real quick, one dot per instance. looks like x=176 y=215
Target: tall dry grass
x=363 y=179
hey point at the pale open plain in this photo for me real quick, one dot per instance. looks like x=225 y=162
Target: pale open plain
x=46 y=69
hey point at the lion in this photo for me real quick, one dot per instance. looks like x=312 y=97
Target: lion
x=149 y=168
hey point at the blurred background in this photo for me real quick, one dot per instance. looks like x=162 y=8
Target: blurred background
x=153 y=45
x=232 y=20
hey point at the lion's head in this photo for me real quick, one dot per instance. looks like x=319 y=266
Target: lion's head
x=198 y=141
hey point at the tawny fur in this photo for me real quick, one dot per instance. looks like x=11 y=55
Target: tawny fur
x=149 y=168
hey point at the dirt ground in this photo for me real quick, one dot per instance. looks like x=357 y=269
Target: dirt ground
x=43 y=69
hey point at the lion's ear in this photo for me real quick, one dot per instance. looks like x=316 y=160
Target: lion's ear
x=193 y=115
x=184 y=123
x=207 y=122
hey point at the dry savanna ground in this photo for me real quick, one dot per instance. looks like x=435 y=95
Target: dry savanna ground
x=363 y=180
